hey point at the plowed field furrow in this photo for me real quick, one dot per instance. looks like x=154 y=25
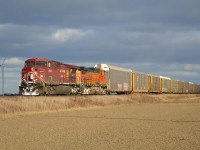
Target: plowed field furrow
x=161 y=126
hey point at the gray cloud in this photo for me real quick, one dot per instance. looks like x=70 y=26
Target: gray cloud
x=161 y=37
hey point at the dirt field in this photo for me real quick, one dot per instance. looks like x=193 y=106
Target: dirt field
x=129 y=126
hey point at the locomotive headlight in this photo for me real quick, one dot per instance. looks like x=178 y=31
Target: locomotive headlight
x=34 y=81
x=31 y=77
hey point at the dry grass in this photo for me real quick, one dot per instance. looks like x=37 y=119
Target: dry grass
x=22 y=104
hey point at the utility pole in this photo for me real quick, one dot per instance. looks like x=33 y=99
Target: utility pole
x=2 y=69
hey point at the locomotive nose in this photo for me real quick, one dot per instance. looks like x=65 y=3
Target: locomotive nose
x=28 y=74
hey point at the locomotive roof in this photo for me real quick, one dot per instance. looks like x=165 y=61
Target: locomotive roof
x=68 y=65
x=106 y=67
x=90 y=69
x=71 y=66
x=37 y=59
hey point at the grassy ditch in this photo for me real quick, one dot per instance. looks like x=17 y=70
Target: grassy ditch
x=22 y=104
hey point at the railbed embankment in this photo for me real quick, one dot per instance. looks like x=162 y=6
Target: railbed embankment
x=27 y=104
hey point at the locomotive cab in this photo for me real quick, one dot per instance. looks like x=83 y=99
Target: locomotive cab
x=33 y=75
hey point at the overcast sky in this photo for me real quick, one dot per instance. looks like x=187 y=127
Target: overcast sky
x=154 y=36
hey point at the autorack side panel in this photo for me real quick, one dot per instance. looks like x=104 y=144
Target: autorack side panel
x=118 y=79
x=165 y=84
x=154 y=83
x=195 y=88
x=192 y=88
x=140 y=82
x=198 y=89
x=180 y=87
x=174 y=86
x=186 y=87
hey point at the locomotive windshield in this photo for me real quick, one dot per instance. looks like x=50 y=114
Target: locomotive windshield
x=37 y=63
x=29 y=63
x=41 y=63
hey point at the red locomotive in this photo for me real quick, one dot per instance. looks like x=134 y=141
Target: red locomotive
x=41 y=76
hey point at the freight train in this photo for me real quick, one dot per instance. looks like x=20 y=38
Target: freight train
x=41 y=76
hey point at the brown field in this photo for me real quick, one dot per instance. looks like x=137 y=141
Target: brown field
x=100 y=122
